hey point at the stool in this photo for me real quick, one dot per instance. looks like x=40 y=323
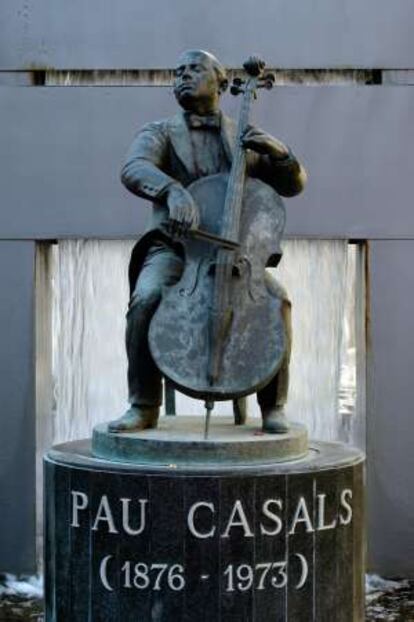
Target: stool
x=239 y=405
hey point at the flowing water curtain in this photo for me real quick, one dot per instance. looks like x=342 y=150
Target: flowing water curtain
x=91 y=295
x=352 y=415
x=314 y=273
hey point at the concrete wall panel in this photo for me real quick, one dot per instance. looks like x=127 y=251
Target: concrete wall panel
x=390 y=409
x=62 y=147
x=130 y=34
x=17 y=438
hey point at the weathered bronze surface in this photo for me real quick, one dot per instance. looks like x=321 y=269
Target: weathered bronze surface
x=179 y=441
x=183 y=335
x=221 y=327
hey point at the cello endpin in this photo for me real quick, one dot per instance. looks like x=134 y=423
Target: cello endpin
x=209 y=407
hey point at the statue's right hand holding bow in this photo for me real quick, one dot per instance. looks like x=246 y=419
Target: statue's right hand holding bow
x=183 y=211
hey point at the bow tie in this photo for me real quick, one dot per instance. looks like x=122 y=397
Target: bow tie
x=196 y=122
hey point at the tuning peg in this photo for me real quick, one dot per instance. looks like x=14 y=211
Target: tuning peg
x=267 y=83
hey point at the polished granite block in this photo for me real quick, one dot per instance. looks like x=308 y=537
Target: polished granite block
x=170 y=543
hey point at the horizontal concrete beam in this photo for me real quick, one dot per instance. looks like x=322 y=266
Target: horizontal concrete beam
x=62 y=149
x=288 y=33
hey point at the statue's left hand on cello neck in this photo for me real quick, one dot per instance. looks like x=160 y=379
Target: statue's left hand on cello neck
x=263 y=143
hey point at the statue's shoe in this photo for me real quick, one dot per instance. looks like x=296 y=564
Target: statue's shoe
x=136 y=418
x=274 y=421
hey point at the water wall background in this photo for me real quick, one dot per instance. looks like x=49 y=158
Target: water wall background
x=90 y=296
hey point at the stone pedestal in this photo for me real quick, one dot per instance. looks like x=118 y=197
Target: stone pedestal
x=216 y=539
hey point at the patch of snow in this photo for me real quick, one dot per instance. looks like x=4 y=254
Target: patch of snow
x=375 y=583
x=28 y=587
x=375 y=587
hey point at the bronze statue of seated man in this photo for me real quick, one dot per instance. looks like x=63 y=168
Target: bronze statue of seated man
x=164 y=158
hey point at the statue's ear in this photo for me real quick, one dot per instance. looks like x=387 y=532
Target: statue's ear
x=223 y=86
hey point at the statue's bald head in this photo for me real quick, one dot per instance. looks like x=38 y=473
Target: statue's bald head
x=191 y=56
x=199 y=81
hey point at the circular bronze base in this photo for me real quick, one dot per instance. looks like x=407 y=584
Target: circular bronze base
x=180 y=441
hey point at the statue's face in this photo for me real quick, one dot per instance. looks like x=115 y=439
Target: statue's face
x=196 y=81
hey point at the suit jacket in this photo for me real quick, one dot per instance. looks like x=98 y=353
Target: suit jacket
x=161 y=154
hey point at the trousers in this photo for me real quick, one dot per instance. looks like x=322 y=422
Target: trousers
x=163 y=267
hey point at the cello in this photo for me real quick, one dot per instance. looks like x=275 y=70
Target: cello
x=218 y=333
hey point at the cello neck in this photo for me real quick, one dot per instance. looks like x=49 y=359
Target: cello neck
x=232 y=207
x=234 y=194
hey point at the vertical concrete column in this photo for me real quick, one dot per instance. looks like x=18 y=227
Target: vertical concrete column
x=17 y=410
x=390 y=417
x=44 y=401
